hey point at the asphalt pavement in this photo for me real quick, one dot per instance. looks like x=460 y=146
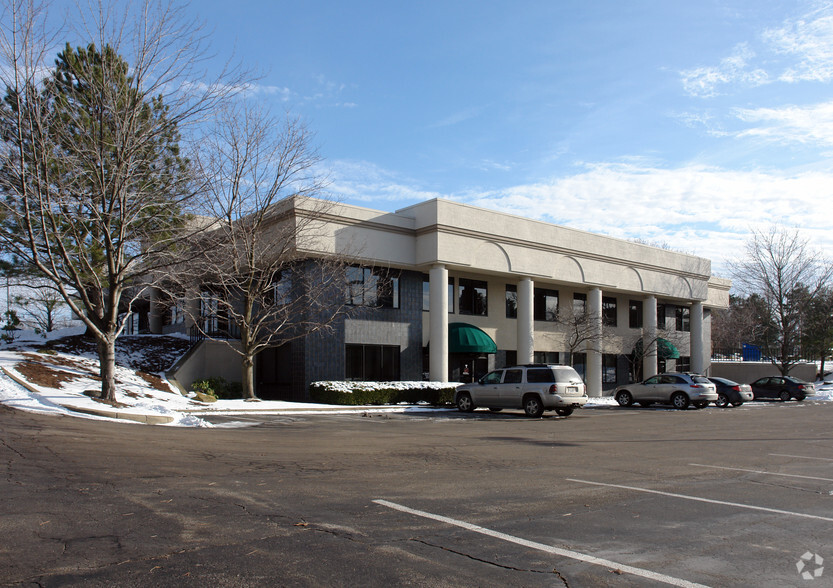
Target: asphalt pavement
x=606 y=497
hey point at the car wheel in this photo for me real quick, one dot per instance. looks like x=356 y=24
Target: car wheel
x=464 y=402
x=737 y=404
x=784 y=396
x=722 y=400
x=679 y=400
x=533 y=407
x=624 y=398
x=564 y=411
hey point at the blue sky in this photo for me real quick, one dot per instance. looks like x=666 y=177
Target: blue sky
x=683 y=123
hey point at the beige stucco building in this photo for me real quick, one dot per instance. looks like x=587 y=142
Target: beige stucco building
x=470 y=289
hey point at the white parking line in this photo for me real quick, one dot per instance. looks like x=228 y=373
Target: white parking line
x=700 y=465
x=546 y=548
x=709 y=500
x=801 y=456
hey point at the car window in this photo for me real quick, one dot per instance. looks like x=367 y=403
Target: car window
x=513 y=377
x=566 y=375
x=540 y=376
x=701 y=379
x=492 y=377
x=671 y=380
x=652 y=380
x=776 y=381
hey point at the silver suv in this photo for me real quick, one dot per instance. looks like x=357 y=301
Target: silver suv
x=533 y=387
x=676 y=388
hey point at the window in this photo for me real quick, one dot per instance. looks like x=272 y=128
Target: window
x=683 y=364
x=472 y=297
x=511 y=357
x=378 y=363
x=376 y=287
x=545 y=357
x=513 y=377
x=683 y=318
x=281 y=288
x=635 y=314
x=609 y=311
x=493 y=377
x=580 y=364
x=511 y=301
x=609 y=365
x=540 y=376
x=579 y=304
x=426 y=294
x=661 y=317
x=545 y=305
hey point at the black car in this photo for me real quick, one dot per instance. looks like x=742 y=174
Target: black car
x=782 y=388
x=729 y=392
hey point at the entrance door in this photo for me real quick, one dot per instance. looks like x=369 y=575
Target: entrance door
x=273 y=378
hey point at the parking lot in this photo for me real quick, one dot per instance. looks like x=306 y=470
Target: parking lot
x=606 y=497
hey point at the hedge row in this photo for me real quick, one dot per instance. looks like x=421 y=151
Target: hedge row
x=376 y=393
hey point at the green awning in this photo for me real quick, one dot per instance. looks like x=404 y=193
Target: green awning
x=665 y=349
x=466 y=338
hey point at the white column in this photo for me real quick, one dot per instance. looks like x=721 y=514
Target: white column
x=438 y=323
x=697 y=345
x=649 y=337
x=526 y=324
x=593 y=374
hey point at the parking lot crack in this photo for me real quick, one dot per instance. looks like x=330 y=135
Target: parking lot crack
x=554 y=571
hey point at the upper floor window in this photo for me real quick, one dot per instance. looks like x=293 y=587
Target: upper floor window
x=367 y=286
x=661 y=317
x=472 y=297
x=579 y=304
x=511 y=301
x=426 y=293
x=609 y=311
x=635 y=314
x=683 y=318
x=281 y=288
x=545 y=305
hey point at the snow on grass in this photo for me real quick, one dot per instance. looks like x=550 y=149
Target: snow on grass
x=61 y=373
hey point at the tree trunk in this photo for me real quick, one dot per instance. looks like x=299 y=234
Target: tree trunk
x=248 y=377
x=107 y=362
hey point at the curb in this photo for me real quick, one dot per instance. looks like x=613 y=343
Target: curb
x=149 y=419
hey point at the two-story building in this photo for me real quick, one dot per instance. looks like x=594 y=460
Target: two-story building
x=453 y=290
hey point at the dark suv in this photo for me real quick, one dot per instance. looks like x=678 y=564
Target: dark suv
x=533 y=387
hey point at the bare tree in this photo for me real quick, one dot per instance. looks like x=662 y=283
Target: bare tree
x=581 y=329
x=95 y=188
x=42 y=306
x=782 y=268
x=256 y=281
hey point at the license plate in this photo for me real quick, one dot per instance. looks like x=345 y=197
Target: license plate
x=572 y=389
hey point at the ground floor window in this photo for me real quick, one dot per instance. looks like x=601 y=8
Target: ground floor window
x=683 y=364
x=378 y=363
x=580 y=364
x=547 y=357
x=609 y=364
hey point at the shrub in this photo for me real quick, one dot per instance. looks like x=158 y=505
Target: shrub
x=376 y=393
x=218 y=387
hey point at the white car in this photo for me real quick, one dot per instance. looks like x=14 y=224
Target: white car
x=533 y=387
x=676 y=388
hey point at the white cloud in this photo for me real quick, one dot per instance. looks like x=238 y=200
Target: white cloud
x=700 y=210
x=799 y=50
x=810 y=39
x=705 y=211
x=798 y=124
x=706 y=81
